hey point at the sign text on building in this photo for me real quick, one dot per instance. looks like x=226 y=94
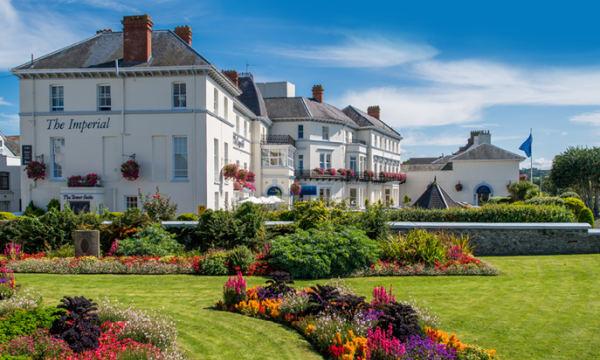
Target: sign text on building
x=78 y=197
x=55 y=124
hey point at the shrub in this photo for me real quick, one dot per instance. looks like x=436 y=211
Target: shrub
x=324 y=252
x=402 y=319
x=226 y=229
x=570 y=194
x=522 y=190
x=287 y=215
x=279 y=230
x=574 y=205
x=76 y=325
x=489 y=213
x=22 y=322
x=53 y=205
x=499 y=200
x=240 y=259
x=156 y=207
x=64 y=251
x=187 y=217
x=214 y=263
x=6 y=216
x=33 y=211
x=545 y=201
x=374 y=221
x=406 y=199
x=586 y=216
x=418 y=246
x=152 y=240
x=310 y=213
x=112 y=216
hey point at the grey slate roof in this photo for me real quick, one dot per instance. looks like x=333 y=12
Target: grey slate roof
x=301 y=107
x=435 y=197
x=13 y=143
x=251 y=96
x=486 y=151
x=101 y=51
x=363 y=119
x=422 y=160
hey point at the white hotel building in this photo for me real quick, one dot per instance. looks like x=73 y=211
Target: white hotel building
x=148 y=94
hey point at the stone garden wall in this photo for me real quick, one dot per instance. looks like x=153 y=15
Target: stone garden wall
x=518 y=238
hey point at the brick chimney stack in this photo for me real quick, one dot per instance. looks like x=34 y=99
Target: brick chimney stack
x=137 y=38
x=185 y=33
x=374 y=111
x=232 y=75
x=318 y=92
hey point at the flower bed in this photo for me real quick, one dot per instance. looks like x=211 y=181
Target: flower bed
x=342 y=325
x=78 y=330
x=8 y=283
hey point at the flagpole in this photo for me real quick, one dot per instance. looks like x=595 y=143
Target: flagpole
x=531 y=147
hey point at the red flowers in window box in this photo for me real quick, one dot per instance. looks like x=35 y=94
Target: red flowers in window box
x=230 y=171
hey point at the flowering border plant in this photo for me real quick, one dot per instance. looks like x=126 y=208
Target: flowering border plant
x=295 y=188
x=35 y=170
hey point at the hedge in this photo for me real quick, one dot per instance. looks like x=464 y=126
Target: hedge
x=488 y=213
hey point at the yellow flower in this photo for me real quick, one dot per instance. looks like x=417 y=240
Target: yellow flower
x=310 y=328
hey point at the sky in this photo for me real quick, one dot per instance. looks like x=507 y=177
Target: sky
x=437 y=69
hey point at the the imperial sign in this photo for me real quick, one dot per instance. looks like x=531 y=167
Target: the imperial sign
x=55 y=124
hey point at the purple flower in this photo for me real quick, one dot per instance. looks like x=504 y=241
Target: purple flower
x=426 y=349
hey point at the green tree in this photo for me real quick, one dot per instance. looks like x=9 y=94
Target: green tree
x=523 y=190
x=579 y=168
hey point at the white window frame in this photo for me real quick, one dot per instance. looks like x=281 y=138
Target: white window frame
x=245 y=128
x=104 y=97
x=283 y=157
x=180 y=148
x=179 y=99
x=60 y=161
x=237 y=124
x=216 y=104
x=129 y=201
x=216 y=200
x=225 y=107
x=300 y=131
x=324 y=161
x=225 y=153
x=354 y=198
x=300 y=162
x=217 y=168
x=353 y=164
x=59 y=97
x=245 y=166
x=325 y=133
x=325 y=192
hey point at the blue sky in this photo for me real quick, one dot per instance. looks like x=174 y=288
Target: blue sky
x=438 y=69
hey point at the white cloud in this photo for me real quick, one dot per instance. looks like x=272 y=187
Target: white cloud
x=564 y=133
x=357 y=52
x=591 y=118
x=35 y=32
x=479 y=126
x=457 y=92
x=3 y=102
x=9 y=124
x=105 y=4
x=542 y=163
x=439 y=140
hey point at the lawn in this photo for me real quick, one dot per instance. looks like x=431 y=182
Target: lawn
x=542 y=307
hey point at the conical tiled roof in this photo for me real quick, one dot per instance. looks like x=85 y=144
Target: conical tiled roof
x=435 y=197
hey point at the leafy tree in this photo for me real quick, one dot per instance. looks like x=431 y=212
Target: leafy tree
x=523 y=190
x=579 y=168
x=585 y=216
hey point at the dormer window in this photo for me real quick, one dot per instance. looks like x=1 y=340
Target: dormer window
x=179 y=96
x=104 y=100
x=57 y=98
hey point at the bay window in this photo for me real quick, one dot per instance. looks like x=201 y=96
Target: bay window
x=277 y=157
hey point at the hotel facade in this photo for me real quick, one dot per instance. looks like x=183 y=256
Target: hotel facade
x=147 y=95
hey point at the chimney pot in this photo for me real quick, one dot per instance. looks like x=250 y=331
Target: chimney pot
x=185 y=33
x=137 y=38
x=374 y=111
x=232 y=75
x=317 y=91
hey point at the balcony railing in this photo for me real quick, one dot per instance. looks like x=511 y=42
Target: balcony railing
x=356 y=141
x=278 y=140
x=359 y=176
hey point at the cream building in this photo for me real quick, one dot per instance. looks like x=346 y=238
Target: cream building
x=147 y=95
x=481 y=168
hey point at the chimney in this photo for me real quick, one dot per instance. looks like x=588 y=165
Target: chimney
x=374 y=111
x=137 y=38
x=232 y=75
x=318 y=93
x=185 y=33
x=103 y=31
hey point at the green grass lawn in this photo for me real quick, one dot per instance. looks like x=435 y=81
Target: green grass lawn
x=542 y=307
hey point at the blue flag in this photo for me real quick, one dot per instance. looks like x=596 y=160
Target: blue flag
x=526 y=146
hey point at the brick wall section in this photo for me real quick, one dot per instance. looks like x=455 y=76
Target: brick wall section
x=519 y=239
x=137 y=38
x=374 y=111
x=317 y=91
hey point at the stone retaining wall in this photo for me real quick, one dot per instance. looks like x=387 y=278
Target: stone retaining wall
x=518 y=238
